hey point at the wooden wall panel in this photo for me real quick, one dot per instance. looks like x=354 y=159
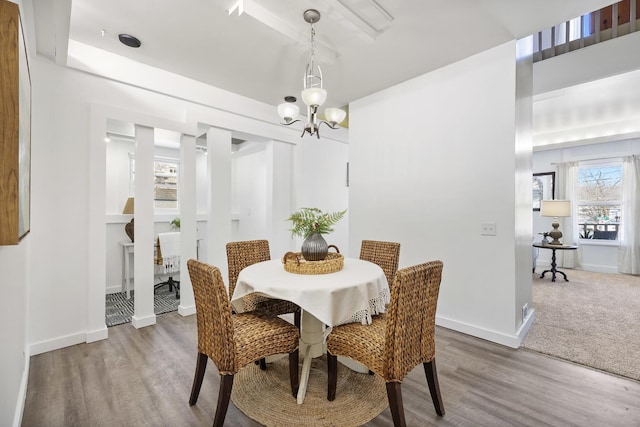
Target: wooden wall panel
x=15 y=128
x=9 y=122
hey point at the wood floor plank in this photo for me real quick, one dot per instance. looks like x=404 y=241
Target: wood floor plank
x=141 y=377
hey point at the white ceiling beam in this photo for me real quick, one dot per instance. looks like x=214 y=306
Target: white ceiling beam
x=370 y=32
x=324 y=53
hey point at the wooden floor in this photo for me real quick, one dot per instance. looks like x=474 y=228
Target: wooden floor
x=143 y=377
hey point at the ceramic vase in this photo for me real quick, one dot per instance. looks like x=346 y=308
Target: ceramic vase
x=128 y=228
x=315 y=248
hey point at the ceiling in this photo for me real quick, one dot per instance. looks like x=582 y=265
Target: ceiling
x=363 y=45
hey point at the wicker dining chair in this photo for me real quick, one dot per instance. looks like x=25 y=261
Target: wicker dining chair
x=385 y=254
x=397 y=341
x=243 y=254
x=232 y=341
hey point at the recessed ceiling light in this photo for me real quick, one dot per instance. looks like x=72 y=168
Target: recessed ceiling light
x=129 y=40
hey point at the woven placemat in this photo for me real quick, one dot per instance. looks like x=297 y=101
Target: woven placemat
x=265 y=396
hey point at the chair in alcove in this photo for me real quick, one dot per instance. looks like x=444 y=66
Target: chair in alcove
x=167 y=260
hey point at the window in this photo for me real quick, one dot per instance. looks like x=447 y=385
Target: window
x=165 y=181
x=599 y=200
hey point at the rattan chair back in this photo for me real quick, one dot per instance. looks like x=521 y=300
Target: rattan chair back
x=410 y=320
x=397 y=341
x=232 y=341
x=213 y=313
x=243 y=254
x=385 y=254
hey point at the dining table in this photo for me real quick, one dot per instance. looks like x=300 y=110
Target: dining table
x=353 y=294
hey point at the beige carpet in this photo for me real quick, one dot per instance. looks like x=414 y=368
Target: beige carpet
x=265 y=396
x=593 y=320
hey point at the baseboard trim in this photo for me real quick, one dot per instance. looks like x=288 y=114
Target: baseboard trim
x=600 y=268
x=22 y=393
x=57 y=343
x=114 y=289
x=143 y=322
x=526 y=325
x=512 y=341
x=186 y=310
x=97 y=335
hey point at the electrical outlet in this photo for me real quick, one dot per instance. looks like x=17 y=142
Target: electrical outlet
x=488 y=229
x=525 y=311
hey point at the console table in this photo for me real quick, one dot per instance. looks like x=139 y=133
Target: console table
x=554 y=248
x=127 y=250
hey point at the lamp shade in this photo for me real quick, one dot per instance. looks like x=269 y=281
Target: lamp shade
x=334 y=115
x=555 y=208
x=288 y=111
x=314 y=96
x=128 y=206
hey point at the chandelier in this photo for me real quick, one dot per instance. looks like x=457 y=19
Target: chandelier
x=313 y=94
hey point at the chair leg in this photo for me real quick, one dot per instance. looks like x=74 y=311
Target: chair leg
x=263 y=364
x=434 y=387
x=226 y=383
x=201 y=366
x=332 y=375
x=394 y=394
x=294 y=360
x=297 y=316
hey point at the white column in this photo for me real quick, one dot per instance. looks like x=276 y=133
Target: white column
x=144 y=229
x=96 y=327
x=188 y=235
x=219 y=197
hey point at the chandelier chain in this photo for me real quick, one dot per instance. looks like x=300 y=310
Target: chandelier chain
x=312 y=42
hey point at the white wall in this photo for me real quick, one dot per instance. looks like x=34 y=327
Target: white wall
x=322 y=175
x=249 y=193
x=588 y=64
x=14 y=363
x=430 y=160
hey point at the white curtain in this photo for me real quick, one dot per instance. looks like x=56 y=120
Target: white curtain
x=629 y=251
x=568 y=179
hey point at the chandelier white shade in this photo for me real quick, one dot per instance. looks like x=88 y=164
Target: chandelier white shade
x=314 y=97
x=288 y=111
x=334 y=115
x=313 y=94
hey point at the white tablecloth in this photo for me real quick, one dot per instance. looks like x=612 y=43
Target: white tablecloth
x=352 y=294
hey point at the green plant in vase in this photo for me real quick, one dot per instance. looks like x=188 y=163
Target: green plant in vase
x=311 y=224
x=175 y=224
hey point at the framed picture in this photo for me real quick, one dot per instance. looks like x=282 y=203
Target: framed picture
x=15 y=128
x=544 y=188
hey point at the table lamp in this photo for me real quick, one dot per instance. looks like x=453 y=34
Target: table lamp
x=128 y=210
x=555 y=208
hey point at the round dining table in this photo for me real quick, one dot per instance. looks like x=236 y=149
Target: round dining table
x=353 y=294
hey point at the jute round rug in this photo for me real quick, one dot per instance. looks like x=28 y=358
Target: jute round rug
x=265 y=396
